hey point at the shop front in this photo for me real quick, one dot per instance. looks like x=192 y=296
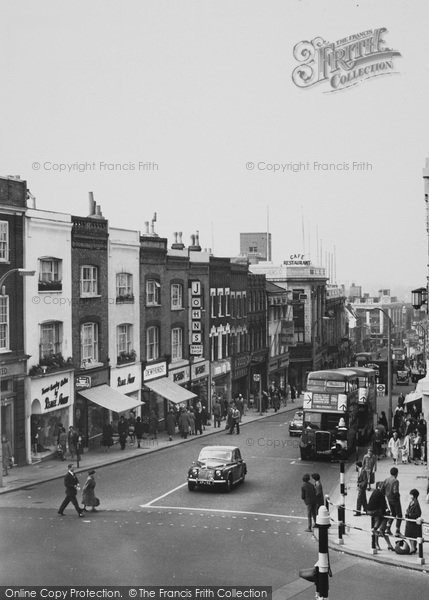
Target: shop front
x=278 y=371
x=13 y=407
x=159 y=390
x=49 y=408
x=199 y=383
x=257 y=374
x=240 y=374
x=221 y=380
x=126 y=380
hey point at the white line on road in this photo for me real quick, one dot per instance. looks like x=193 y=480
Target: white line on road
x=163 y=495
x=221 y=510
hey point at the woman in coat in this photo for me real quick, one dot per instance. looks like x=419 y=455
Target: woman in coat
x=413 y=530
x=88 y=492
x=394 y=446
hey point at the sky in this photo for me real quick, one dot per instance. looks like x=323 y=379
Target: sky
x=164 y=106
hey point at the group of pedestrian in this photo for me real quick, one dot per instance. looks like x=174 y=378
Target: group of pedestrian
x=312 y=495
x=72 y=486
x=384 y=506
x=408 y=440
x=70 y=441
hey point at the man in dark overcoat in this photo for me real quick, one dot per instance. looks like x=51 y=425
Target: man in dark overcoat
x=71 y=483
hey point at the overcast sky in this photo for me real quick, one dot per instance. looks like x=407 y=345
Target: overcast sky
x=201 y=88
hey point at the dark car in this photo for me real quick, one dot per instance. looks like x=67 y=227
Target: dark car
x=217 y=466
x=297 y=423
x=402 y=377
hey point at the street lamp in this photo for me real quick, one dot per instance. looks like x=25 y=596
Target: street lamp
x=389 y=361
x=23 y=273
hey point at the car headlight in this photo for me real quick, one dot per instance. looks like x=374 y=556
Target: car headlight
x=194 y=472
x=218 y=473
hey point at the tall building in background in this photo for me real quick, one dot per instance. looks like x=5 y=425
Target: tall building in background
x=255 y=247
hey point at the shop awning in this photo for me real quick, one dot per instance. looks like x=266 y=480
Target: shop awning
x=413 y=397
x=170 y=390
x=109 y=398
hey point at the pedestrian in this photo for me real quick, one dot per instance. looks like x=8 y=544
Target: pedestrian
x=198 y=420
x=205 y=416
x=229 y=421
x=417 y=447
x=369 y=463
x=153 y=425
x=62 y=443
x=138 y=430
x=88 y=492
x=412 y=529
x=217 y=413
x=292 y=392
x=379 y=433
x=183 y=423
x=308 y=494
x=71 y=483
x=393 y=497
x=107 y=436
x=171 y=424
x=72 y=441
x=405 y=449
x=383 y=420
x=394 y=446
x=377 y=509
x=132 y=427
x=239 y=403
x=235 y=420
x=122 y=431
x=320 y=499
x=362 y=484
x=7 y=457
x=191 y=419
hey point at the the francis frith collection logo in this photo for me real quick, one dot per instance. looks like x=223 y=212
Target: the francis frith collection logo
x=344 y=63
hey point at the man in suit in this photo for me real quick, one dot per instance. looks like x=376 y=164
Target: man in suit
x=362 y=484
x=71 y=483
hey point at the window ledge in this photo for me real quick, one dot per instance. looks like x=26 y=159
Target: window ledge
x=152 y=305
x=175 y=308
x=91 y=365
x=90 y=296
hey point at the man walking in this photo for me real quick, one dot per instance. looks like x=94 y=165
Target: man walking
x=393 y=497
x=235 y=420
x=369 y=463
x=362 y=484
x=71 y=483
x=308 y=494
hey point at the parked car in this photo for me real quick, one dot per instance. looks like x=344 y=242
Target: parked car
x=297 y=423
x=217 y=466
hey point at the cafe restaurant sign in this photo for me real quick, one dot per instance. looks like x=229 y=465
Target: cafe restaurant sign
x=52 y=393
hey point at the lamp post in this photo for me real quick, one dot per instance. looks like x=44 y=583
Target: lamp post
x=389 y=361
x=23 y=273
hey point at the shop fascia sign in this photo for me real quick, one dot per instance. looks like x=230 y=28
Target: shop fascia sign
x=126 y=377
x=52 y=396
x=179 y=375
x=155 y=371
x=220 y=368
x=200 y=370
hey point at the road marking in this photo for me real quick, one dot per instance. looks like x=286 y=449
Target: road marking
x=163 y=496
x=237 y=512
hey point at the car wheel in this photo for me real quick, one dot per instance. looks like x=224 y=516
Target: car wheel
x=243 y=476
x=229 y=484
x=191 y=486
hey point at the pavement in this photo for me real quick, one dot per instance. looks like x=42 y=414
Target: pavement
x=357 y=539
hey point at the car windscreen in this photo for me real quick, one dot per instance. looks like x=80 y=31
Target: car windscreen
x=222 y=455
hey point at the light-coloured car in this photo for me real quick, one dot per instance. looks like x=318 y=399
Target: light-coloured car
x=217 y=466
x=297 y=423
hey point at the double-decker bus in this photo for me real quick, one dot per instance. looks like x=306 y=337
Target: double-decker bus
x=331 y=416
x=367 y=412
x=363 y=358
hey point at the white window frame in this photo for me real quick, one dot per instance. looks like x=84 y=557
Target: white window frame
x=4 y=241
x=176 y=296
x=126 y=284
x=220 y=295
x=152 y=289
x=227 y=302
x=176 y=344
x=152 y=346
x=91 y=281
x=4 y=324
x=124 y=338
x=212 y=302
x=54 y=273
x=92 y=356
x=55 y=328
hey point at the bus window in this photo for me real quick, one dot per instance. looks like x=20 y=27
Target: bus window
x=312 y=420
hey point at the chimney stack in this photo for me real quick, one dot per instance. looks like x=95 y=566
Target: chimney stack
x=195 y=246
x=178 y=244
x=91 y=204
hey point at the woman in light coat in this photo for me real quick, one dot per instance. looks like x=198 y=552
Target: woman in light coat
x=394 y=446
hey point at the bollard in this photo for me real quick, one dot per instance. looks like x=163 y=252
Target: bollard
x=320 y=573
x=327 y=502
x=342 y=507
x=420 y=559
x=374 y=540
x=323 y=524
